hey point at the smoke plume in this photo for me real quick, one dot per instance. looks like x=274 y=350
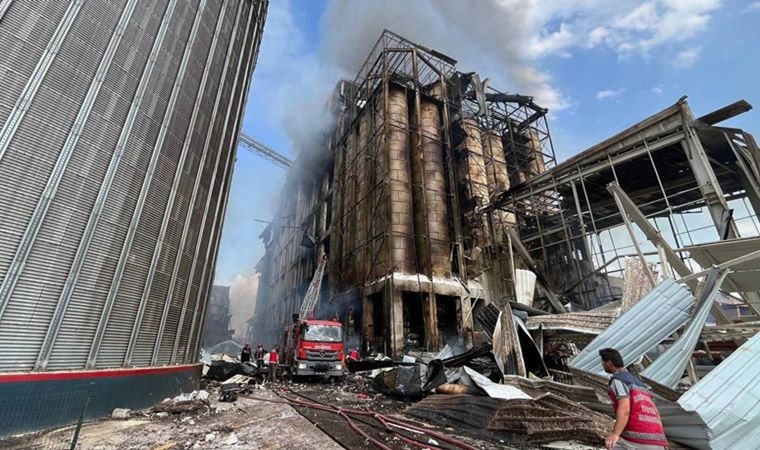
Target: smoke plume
x=242 y=303
x=492 y=39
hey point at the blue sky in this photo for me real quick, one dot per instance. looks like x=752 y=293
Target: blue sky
x=599 y=65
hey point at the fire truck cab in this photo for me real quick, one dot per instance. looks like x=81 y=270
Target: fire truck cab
x=314 y=347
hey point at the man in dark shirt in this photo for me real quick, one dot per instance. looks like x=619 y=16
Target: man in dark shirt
x=245 y=354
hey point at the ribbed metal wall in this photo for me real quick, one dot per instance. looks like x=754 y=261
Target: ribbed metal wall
x=119 y=123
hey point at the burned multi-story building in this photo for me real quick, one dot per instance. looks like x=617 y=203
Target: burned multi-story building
x=395 y=201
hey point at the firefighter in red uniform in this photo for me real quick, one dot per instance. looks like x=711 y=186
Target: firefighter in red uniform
x=637 y=421
x=353 y=354
x=274 y=364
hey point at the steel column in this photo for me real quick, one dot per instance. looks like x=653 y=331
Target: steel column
x=703 y=172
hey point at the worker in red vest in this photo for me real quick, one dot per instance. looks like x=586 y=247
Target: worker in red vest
x=274 y=364
x=637 y=421
x=353 y=354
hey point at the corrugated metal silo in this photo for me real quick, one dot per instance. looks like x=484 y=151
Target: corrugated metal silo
x=119 y=126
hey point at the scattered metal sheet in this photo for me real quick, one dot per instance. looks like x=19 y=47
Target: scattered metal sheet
x=654 y=318
x=684 y=427
x=533 y=358
x=486 y=318
x=727 y=400
x=668 y=368
x=501 y=391
x=746 y=276
x=405 y=382
x=550 y=417
x=506 y=345
x=525 y=286
x=473 y=412
x=587 y=322
x=535 y=388
x=545 y=419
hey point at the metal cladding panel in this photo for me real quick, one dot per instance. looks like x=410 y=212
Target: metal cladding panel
x=200 y=225
x=655 y=317
x=67 y=79
x=728 y=398
x=25 y=32
x=78 y=236
x=745 y=277
x=669 y=367
x=118 y=331
x=160 y=192
x=249 y=56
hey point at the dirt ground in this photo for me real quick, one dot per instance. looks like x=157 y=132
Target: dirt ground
x=257 y=421
x=252 y=424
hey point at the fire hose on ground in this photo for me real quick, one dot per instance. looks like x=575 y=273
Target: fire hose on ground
x=388 y=424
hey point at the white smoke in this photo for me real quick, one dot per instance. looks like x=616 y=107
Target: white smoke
x=491 y=37
x=508 y=41
x=243 y=291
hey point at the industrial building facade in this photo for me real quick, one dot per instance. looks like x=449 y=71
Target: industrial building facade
x=433 y=193
x=119 y=124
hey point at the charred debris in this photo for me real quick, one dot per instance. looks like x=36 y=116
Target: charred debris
x=459 y=245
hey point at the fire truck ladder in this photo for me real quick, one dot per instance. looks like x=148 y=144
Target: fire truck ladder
x=311 y=298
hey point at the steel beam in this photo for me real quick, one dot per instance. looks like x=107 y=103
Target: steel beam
x=627 y=206
x=703 y=172
x=265 y=151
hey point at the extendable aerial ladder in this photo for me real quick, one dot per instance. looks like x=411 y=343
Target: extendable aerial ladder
x=311 y=299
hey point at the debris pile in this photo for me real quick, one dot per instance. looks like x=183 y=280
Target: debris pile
x=546 y=418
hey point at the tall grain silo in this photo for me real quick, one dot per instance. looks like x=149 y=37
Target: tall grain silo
x=118 y=127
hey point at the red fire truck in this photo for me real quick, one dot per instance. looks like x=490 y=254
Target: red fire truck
x=311 y=346
x=314 y=347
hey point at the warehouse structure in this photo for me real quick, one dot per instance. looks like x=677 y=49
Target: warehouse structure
x=119 y=124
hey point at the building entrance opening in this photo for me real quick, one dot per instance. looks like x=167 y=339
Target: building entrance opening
x=446 y=313
x=414 y=320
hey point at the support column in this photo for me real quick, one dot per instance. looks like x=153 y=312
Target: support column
x=430 y=311
x=703 y=172
x=464 y=320
x=368 y=323
x=393 y=308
